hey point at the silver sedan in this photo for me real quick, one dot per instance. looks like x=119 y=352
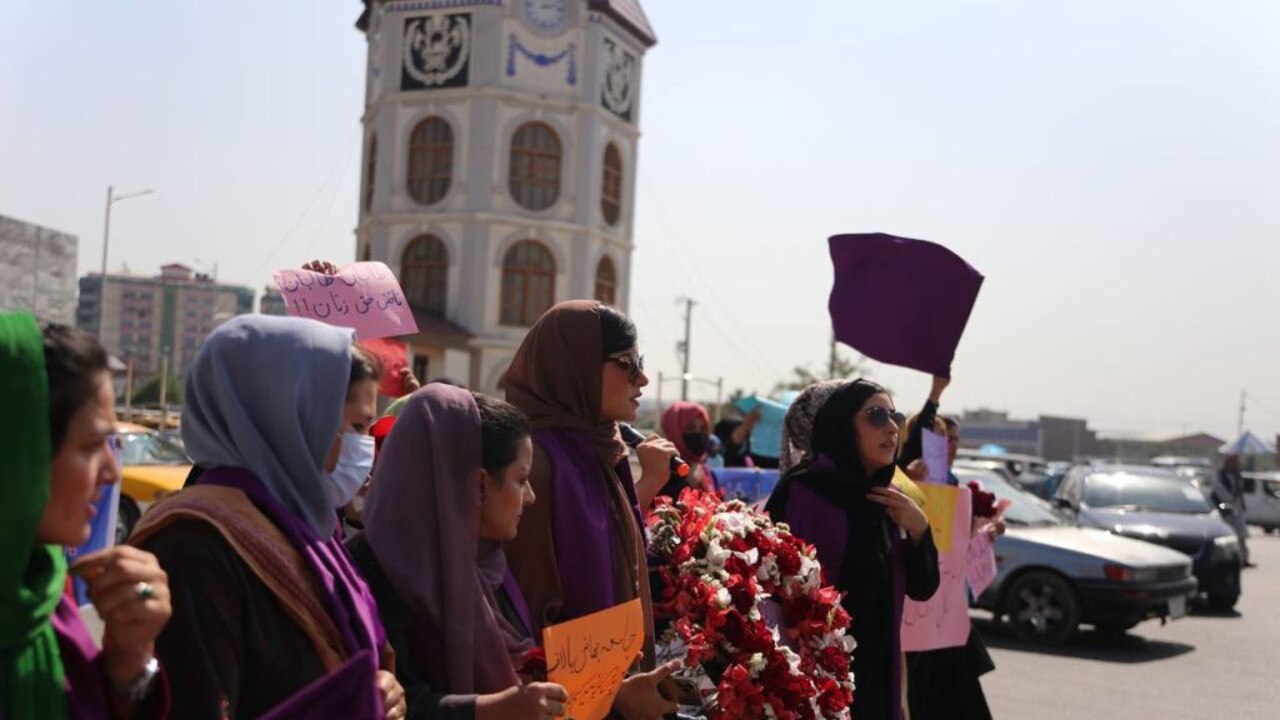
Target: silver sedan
x=1053 y=576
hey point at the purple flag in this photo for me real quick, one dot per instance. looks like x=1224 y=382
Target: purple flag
x=901 y=301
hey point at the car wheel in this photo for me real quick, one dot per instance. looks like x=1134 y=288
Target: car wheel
x=1042 y=608
x=127 y=518
x=1223 y=603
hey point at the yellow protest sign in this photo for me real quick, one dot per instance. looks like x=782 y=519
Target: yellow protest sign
x=589 y=656
x=943 y=506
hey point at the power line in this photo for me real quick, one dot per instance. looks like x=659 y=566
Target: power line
x=338 y=167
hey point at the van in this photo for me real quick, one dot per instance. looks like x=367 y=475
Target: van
x=1262 y=499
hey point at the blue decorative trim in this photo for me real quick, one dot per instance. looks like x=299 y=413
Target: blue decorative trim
x=542 y=60
x=410 y=5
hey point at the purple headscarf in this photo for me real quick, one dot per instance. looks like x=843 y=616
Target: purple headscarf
x=422 y=521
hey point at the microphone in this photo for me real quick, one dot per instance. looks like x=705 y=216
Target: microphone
x=632 y=438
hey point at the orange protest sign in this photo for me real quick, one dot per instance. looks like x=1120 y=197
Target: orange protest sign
x=589 y=656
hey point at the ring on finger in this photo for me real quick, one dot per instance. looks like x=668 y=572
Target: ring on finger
x=145 y=591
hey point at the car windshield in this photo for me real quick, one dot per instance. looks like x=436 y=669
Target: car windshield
x=1144 y=492
x=1024 y=509
x=149 y=449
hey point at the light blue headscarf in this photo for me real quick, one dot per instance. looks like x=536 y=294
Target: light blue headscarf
x=266 y=394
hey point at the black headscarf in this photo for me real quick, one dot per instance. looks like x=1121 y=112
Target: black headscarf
x=833 y=471
x=833 y=453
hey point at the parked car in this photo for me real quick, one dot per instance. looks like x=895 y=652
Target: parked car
x=1262 y=499
x=1200 y=471
x=1053 y=576
x=1034 y=477
x=1162 y=507
x=153 y=468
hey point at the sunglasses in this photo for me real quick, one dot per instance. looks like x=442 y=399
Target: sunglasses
x=880 y=416
x=633 y=364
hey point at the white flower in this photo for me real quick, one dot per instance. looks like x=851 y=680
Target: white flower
x=716 y=555
x=848 y=643
x=756 y=664
x=722 y=598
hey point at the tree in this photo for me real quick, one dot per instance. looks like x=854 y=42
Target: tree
x=149 y=392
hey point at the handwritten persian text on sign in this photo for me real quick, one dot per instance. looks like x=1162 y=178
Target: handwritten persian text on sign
x=589 y=656
x=943 y=620
x=981 y=567
x=363 y=296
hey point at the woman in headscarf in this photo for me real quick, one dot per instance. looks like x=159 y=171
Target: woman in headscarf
x=943 y=683
x=872 y=539
x=451 y=484
x=577 y=374
x=688 y=426
x=270 y=615
x=57 y=423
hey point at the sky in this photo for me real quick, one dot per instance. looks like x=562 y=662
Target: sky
x=1113 y=169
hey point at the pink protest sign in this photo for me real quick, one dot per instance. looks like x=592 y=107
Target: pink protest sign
x=981 y=569
x=363 y=296
x=943 y=620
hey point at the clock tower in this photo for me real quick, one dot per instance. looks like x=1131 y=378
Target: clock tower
x=500 y=147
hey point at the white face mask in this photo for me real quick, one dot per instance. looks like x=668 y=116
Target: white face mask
x=354 y=463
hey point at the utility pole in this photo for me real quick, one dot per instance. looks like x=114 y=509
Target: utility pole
x=164 y=390
x=684 y=346
x=1240 y=420
x=112 y=199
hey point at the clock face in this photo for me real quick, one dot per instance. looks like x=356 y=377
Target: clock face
x=545 y=14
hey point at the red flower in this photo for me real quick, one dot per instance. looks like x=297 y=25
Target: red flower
x=984 y=503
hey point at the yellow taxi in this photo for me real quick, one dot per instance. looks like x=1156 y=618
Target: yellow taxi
x=154 y=466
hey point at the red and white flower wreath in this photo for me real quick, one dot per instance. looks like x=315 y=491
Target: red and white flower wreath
x=746 y=602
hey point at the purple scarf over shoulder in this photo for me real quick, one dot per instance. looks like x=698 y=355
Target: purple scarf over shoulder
x=583 y=519
x=346 y=595
x=826 y=526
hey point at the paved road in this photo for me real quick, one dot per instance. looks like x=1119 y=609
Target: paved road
x=1202 y=666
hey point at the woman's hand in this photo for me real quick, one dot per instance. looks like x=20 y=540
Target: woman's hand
x=902 y=510
x=639 y=699
x=939 y=384
x=130 y=591
x=324 y=267
x=534 y=701
x=655 y=455
x=918 y=471
x=409 y=383
x=393 y=703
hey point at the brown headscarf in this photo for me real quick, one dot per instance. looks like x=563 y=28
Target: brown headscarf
x=555 y=376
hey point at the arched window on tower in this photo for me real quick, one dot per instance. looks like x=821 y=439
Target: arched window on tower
x=528 y=283
x=424 y=274
x=430 y=161
x=611 y=187
x=534 y=177
x=606 y=281
x=370 y=167
x=367 y=254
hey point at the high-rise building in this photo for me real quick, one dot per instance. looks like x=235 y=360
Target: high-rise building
x=500 y=152
x=148 y=318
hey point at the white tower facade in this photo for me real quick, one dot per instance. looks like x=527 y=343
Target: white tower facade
x=499 y=165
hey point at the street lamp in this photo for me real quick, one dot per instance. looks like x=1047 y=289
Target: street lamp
x=112 y=199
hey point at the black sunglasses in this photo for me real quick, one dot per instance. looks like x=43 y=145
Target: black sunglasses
x=879 y=416
x=634 y=365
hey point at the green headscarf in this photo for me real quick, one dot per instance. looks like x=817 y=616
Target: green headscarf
x=31 y=575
